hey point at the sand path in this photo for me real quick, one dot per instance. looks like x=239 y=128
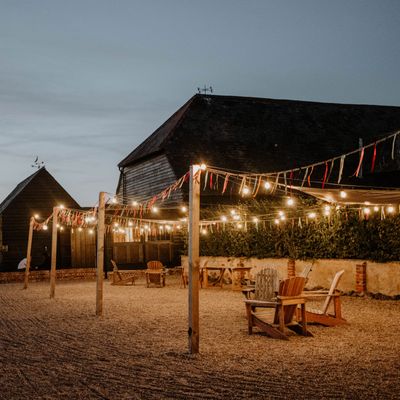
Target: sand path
x=58 y=349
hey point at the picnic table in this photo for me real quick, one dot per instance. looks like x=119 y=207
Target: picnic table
x=237 y=275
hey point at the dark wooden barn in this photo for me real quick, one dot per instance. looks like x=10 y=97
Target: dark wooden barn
x=36 y=195
x=254 y=135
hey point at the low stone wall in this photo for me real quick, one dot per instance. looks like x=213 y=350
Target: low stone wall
x=61 y=274
x=378 y=278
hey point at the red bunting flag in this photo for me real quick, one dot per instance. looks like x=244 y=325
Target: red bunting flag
x=373 y=159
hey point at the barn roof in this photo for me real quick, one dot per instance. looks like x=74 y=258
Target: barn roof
x=42 y=172
x=262 y=135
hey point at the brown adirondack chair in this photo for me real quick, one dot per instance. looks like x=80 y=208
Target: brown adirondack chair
x=155 y=273
x=288 y=299
x=119 y=279
x=323 y=316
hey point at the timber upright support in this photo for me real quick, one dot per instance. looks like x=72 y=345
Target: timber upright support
x=53 y=253
x=28 y=252
x=100 y=254
x=194 y=259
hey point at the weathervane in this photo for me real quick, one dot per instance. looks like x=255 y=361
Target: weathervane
x=37 y=164
x=205 y=89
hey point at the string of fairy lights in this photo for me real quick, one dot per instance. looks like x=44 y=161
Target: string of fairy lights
x=136 y=228
x=130 y=219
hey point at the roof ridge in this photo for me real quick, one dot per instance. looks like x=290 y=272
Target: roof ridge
x=18 y=189
x=270 y=99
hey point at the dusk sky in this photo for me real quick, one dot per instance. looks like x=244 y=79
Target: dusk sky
x=82 y=83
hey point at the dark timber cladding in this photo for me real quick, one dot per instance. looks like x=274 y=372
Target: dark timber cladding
x=150 y=177
x=252 y=134
x=37 y=194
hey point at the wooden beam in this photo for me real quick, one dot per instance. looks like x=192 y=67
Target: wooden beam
x=28 y=252
x=100 y=254
x=53 y=253
x=194 y=259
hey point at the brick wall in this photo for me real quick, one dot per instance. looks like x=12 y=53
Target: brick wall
x=62 y=274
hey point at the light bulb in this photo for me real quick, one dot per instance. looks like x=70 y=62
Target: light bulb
x=245 y=191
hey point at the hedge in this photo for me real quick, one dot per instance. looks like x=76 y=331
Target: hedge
x=343 y=236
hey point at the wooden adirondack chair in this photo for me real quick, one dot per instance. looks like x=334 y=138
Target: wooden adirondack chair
x=266 y=286
x=322 y=316
x=118 y=278
x=155 y=273
x=289 y=297
x=306 y=271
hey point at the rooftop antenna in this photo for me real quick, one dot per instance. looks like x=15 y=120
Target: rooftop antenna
x=204 y=89
x=37 y=164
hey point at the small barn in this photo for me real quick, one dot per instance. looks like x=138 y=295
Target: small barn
x=257 y=135
x=34 y=196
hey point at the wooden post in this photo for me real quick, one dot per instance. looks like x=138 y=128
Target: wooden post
x=100 y=254
x=53 y=253
x=194 y=259
x=28 y=252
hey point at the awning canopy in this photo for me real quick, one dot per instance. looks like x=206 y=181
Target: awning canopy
x=353 y=196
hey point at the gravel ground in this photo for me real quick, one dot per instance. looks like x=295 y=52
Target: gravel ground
x=59 y=349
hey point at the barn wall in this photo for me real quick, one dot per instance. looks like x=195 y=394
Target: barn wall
x=137 y=254
x=83 y=248
x=38 y=197
x=142 y=181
